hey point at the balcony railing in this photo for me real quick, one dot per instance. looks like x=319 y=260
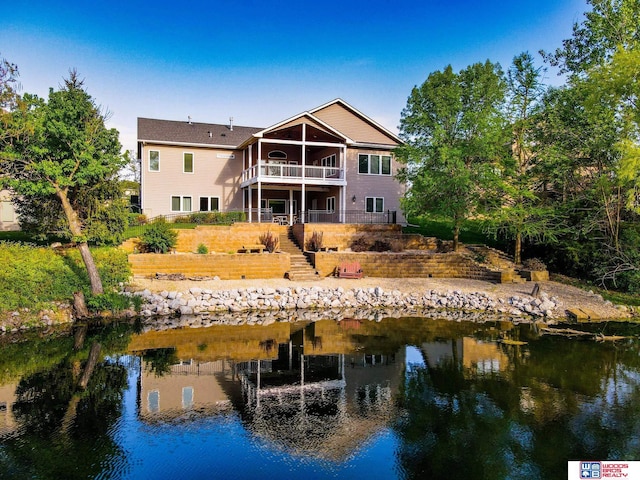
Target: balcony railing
x=348 y=216
x=271 y=171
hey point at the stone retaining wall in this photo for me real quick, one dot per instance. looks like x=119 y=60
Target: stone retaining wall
x=225 y=266
x=225 y=238
x=405 y=264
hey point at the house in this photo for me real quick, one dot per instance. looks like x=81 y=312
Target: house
x=328 y=164
x=8 y=215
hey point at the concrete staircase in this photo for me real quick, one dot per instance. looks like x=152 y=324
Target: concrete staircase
x=301 y=266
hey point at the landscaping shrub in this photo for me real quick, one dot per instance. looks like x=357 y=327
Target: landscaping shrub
x=534 y=264
x=269 y=240
x=158 y=237
x=113 y=302
x=360 y=244
x=30 y=276
x=202 y=249
x=211 y=218
x=397 y=245
x=137 y=219
x=112 y=265
x=316 y=241
x=380 y=246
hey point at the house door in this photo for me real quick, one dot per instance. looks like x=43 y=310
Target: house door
x=278 y=207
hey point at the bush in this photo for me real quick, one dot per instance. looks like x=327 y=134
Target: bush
x=112 y=265
x=31 y=276
x=380 y=246
x=107 y=224
x=202 y=249
x=360 y=245
x=137 y=219
x=211 y=218
x=113 y=302
x=534 y=264
x=269 y=240
x=316 y=241
x=158 y=237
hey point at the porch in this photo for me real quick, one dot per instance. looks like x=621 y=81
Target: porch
x=292 y=173
x=267 y=215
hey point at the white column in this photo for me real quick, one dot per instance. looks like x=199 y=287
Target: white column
x=291 y=206
x=250 y=192
x=303 y=204
x=303 y=200
x=259 y=202
x=259 y=161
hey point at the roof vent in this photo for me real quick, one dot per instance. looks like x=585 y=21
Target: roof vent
x=189 y=117
x=210 y=134
x=231 y=123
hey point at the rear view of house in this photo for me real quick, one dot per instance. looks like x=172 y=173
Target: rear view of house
x=328 y=164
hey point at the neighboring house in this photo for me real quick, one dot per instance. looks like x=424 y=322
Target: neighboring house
x=8 y=216
x=329 y=164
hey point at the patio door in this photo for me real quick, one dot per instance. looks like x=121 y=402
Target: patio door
x=278 y=207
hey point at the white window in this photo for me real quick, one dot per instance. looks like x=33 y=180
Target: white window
x=329 y=161
x=187 y=397
x=7 y=212
x=153 y=401
x=154 y=161
x=209 y=204
x=277 y=154
x=374 y=164
x=331 y=204
x=374 y=204
x=187 y=162
x=180 y=204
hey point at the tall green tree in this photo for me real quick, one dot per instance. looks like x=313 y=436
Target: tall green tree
x=519 y=209
x=602 y=61
x=610 y=25
x=454 y=135
x=64 y=151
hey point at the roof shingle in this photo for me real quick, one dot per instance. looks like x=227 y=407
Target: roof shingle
x=170 y=131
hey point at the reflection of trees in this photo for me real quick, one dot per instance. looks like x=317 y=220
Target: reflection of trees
x=160 y=360
x=65 y=429
x=559 y=400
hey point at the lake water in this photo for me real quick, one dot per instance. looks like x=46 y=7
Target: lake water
x=398 y=398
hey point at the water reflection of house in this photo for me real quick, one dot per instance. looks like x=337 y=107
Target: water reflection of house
x=189 y=386
x=7 y=399
x=476 y=356
x=205 y=361
x=310 y=388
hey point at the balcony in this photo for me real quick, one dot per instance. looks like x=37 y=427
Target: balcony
x=292 y=174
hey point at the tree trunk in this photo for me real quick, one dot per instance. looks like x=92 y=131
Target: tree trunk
x=79 y=336
x=517 y=254
x=76 y=230
x=94 y=355
x=79 y=306
x=456 y=235
x=92 y=270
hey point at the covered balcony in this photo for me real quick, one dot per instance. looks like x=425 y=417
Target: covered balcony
x=266 y=171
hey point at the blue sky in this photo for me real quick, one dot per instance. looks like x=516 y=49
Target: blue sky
x=262 y=62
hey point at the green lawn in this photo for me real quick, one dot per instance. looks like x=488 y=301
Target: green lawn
x=470 y=233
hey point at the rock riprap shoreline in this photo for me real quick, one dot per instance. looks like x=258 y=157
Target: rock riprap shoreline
x=198 y=301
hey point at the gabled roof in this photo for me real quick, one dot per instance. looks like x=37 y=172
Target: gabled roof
x=328 y=117
x=341 y=103
x=313 y=120
x=192 y=133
